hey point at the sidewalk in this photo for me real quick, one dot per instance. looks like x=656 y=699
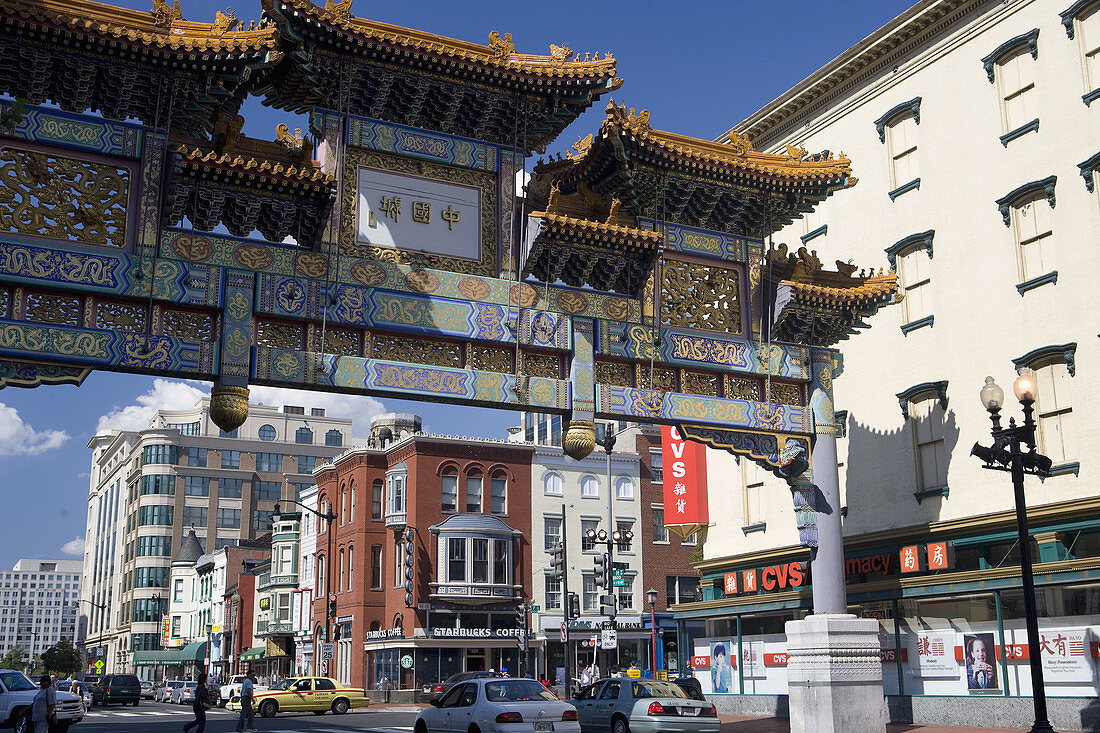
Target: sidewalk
x=738 y=724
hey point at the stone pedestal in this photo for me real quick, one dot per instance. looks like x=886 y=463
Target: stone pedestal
x=834 y=675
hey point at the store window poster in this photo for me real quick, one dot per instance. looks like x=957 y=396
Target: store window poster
x=981 y=664
x=721 y=671
x=933 y=655
x=752 y=660
x=1065 y=655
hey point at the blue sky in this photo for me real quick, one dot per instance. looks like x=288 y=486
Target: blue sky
x=699 y=67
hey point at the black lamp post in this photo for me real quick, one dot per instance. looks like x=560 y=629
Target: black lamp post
x=1007 y=454
x=329 y=518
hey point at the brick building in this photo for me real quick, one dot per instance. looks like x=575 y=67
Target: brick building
x=467 y=505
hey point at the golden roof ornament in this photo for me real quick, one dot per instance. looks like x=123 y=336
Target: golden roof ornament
x=631 y=120
x=739 y=143
x=796 y=152
x=560 y=54
x=500 y=48
x=293 y=143
x=341 y=9
x=223 y=22
x=579 y=148
x=164 y=14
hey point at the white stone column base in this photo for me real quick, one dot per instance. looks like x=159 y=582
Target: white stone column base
x=834 y=675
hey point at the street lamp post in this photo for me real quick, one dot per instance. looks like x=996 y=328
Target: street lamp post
x=1007 y=454
x=651 y=597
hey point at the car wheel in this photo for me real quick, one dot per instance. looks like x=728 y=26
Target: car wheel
x=474 y=729
x=420 y=727
x=268 y=708
x=619 y=725
x=136 y=703
x=22 y=724
x=340 y=706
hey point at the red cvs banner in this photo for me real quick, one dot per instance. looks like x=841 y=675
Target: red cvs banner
x=685 y=479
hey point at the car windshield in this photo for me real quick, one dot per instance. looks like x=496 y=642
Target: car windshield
x=657 y=689
x=283 y=684
x=175 y=684
x=17 y=681
x=516 y=690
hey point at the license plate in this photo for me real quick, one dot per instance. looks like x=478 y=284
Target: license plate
x=689 y=711
x=543 y=726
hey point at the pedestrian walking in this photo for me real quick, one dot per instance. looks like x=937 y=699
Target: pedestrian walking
x=248 y=692
x=200 y=706
x=44 y=707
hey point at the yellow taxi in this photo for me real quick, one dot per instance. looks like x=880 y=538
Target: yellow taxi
x=301 y=694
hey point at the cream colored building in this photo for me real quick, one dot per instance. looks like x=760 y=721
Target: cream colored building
x=974 y=131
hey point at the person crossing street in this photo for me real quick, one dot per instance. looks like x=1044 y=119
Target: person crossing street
x=248 y=693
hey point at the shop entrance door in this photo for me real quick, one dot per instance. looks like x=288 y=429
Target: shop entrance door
x=475 y=659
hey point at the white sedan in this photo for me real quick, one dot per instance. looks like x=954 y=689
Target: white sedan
x=499 y=705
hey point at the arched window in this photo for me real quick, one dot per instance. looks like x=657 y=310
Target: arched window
x=624 y=488
x=551 y=484
x=321 y=571
x=473 y=491
x=498 y=493
x=267 y=433
x=590 y=487
x=449 y=491
x=376 y=501
x=351 y=507
x=334 y=438
x=351 y=566
x=303 y=436
x=340 y=577
x=343 y=504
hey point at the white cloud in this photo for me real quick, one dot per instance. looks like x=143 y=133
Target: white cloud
x=74 y=547
x=19 y=438
x=360 y=409
x=166 y=394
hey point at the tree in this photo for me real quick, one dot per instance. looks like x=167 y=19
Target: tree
x=62 y=658
x=13 y=659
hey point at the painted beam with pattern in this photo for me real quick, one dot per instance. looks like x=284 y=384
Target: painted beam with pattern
x=650 y=405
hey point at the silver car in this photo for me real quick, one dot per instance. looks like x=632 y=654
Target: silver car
x=185 y=693
x=164 y=693
x=496 y=705
x=623 y=705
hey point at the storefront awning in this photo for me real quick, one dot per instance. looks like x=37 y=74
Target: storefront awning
x=193 y=652
x=166 y=656
x=256 y=652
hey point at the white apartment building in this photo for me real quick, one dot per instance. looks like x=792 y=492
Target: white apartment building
x=974 y=131
x=307 y=583
x=39 y=602
x=150 y=488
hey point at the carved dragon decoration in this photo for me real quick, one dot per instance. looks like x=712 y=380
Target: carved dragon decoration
x=500 y=48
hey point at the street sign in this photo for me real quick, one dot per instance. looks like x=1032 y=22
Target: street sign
x=535 y=608
x=564 y=632
x=609 y=639
x=327 y=650
x=99 y=664
x=618 y=575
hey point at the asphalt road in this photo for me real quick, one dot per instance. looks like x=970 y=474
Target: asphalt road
x=165 y=718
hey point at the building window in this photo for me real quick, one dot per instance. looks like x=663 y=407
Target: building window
x=680 y=589
x=626 y=593
x=551 y=532
x=449 y=491
x=926 y=412
x=501 y=561
x=320 y=571
x=656 y=467
x=480 y=564
x=229 y=518
x=303 y=436
x=270 y=462
x=196 y=457
x=268 y=490
x=306 y=464
x=398 y=562
x=376 y=500
x=177 y=591
x=498 y=493
x=351 y=507
x=161 y=483
x=334 y=438
x=913 y=271
x=1016 y=85
x=231 y=459
x=456 y=560
x=340 y=577
x=1055 y=412
x=625 y=545
x=196 y=486
x=589 y=595
x=194 y=516
x=901 y=144
x=230 y=488
x=553 y=592
x=588 y=545
x=1088 y=29
x=691 y=539
x=660 y=531
x=267 y=433
x=376 y=567
x=154 y=515
x=473 y=492
x=154 y=546
x=153 y=454
x=752 y=482
x=1031 y=223
x=624 y=488
x=395 y=494
x=551 y=484
x=261 y=520
x=351 y=567
x=227 y=433
x=590 y=487
x=343 y=506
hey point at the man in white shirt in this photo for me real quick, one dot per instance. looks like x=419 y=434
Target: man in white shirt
x=248 y=692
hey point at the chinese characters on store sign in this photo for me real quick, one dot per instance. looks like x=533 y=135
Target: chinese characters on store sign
x=390 y=207
x=685 y=482
x=931 y=556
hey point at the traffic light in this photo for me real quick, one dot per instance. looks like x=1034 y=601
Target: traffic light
x=521 y=616
x=557 y=561
x=574 y=610
x=332 y=605
x=410 y=563
x=608 y=605
x=599 y=565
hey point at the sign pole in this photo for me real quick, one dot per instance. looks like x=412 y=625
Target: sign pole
x=565 y=601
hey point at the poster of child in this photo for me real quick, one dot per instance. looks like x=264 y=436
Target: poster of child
x=981 y=671
x=721 y=673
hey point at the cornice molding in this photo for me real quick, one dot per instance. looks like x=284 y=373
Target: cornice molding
x=1007 y=201
x=912 y=106
x=1070 y=14
x=1088 y=167
x=923 y=239
x=1031 y=39
x=1067 y=352
x=904 y=398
